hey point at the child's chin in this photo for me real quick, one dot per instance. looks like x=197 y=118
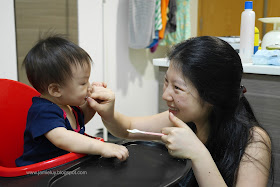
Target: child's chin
x=83 y=102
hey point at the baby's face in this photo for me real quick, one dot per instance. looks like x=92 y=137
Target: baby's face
x=76 y=89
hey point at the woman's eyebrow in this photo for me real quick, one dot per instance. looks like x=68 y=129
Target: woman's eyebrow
x=180 y=82
x=176 y=81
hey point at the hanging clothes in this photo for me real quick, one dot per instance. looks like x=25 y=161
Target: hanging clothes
x=183 y=25
x=158 y=25
x=171 y=23
x=160 y=16
x=141 y=23
x=164 y=6
x=158 y=19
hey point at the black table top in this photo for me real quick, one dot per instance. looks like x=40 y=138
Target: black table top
x=148 y=164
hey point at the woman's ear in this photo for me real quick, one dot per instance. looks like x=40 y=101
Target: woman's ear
x=54 y=90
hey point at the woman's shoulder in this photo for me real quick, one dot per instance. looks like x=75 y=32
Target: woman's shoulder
x=259 y=145
x=260 y=135
x=256 y=161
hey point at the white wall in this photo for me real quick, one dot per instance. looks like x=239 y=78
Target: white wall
x=8 y=62
x=130 y=73
x=194 y=16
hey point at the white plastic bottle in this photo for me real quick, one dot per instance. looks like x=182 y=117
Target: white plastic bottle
x=247 y=32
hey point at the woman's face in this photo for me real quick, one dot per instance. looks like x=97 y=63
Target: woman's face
x=182 y=97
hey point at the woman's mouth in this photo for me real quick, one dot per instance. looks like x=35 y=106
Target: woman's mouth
x=173 y=110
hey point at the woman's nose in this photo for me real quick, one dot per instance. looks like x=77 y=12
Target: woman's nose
x=167 y=94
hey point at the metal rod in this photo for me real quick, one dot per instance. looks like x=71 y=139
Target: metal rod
x=105 y=131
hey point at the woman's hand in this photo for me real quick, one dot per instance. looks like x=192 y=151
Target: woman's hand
x=100 y=84
x=88 y=111
x=102 y=100
x=180 y=140
x=96 y=84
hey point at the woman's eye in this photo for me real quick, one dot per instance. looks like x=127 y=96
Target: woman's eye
x=177 y=88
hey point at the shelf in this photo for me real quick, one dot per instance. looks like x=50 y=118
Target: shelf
x=247 y=67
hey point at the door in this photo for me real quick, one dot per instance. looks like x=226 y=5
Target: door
x=272 y=10
x=36 y=18
x=223 y=18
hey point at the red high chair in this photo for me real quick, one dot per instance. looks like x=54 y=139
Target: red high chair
x=15 y=100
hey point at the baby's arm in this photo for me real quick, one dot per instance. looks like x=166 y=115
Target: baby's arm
x=88 y=112
x=74 y=142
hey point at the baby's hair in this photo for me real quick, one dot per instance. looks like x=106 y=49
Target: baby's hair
x=50 y=61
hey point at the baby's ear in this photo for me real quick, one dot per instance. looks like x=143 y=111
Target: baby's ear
x=54 y=90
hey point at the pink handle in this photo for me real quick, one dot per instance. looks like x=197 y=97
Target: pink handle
x=154 y=133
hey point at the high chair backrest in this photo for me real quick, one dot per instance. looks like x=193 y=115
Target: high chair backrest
x=15 y=100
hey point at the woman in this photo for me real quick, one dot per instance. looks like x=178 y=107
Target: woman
x=202 y=89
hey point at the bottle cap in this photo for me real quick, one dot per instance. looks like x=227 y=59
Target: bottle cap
x=248 y=4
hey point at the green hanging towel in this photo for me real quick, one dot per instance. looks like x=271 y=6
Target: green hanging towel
x=183 y=25
x=158 y=20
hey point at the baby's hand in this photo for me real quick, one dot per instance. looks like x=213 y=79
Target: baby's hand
x=113 y=150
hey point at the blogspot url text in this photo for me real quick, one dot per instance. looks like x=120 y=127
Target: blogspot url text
x=56 y=172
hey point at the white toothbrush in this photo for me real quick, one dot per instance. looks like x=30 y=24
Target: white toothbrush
x=144 y=132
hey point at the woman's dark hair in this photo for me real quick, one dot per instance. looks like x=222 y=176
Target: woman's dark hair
x=50 y=61
x=215 y=69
